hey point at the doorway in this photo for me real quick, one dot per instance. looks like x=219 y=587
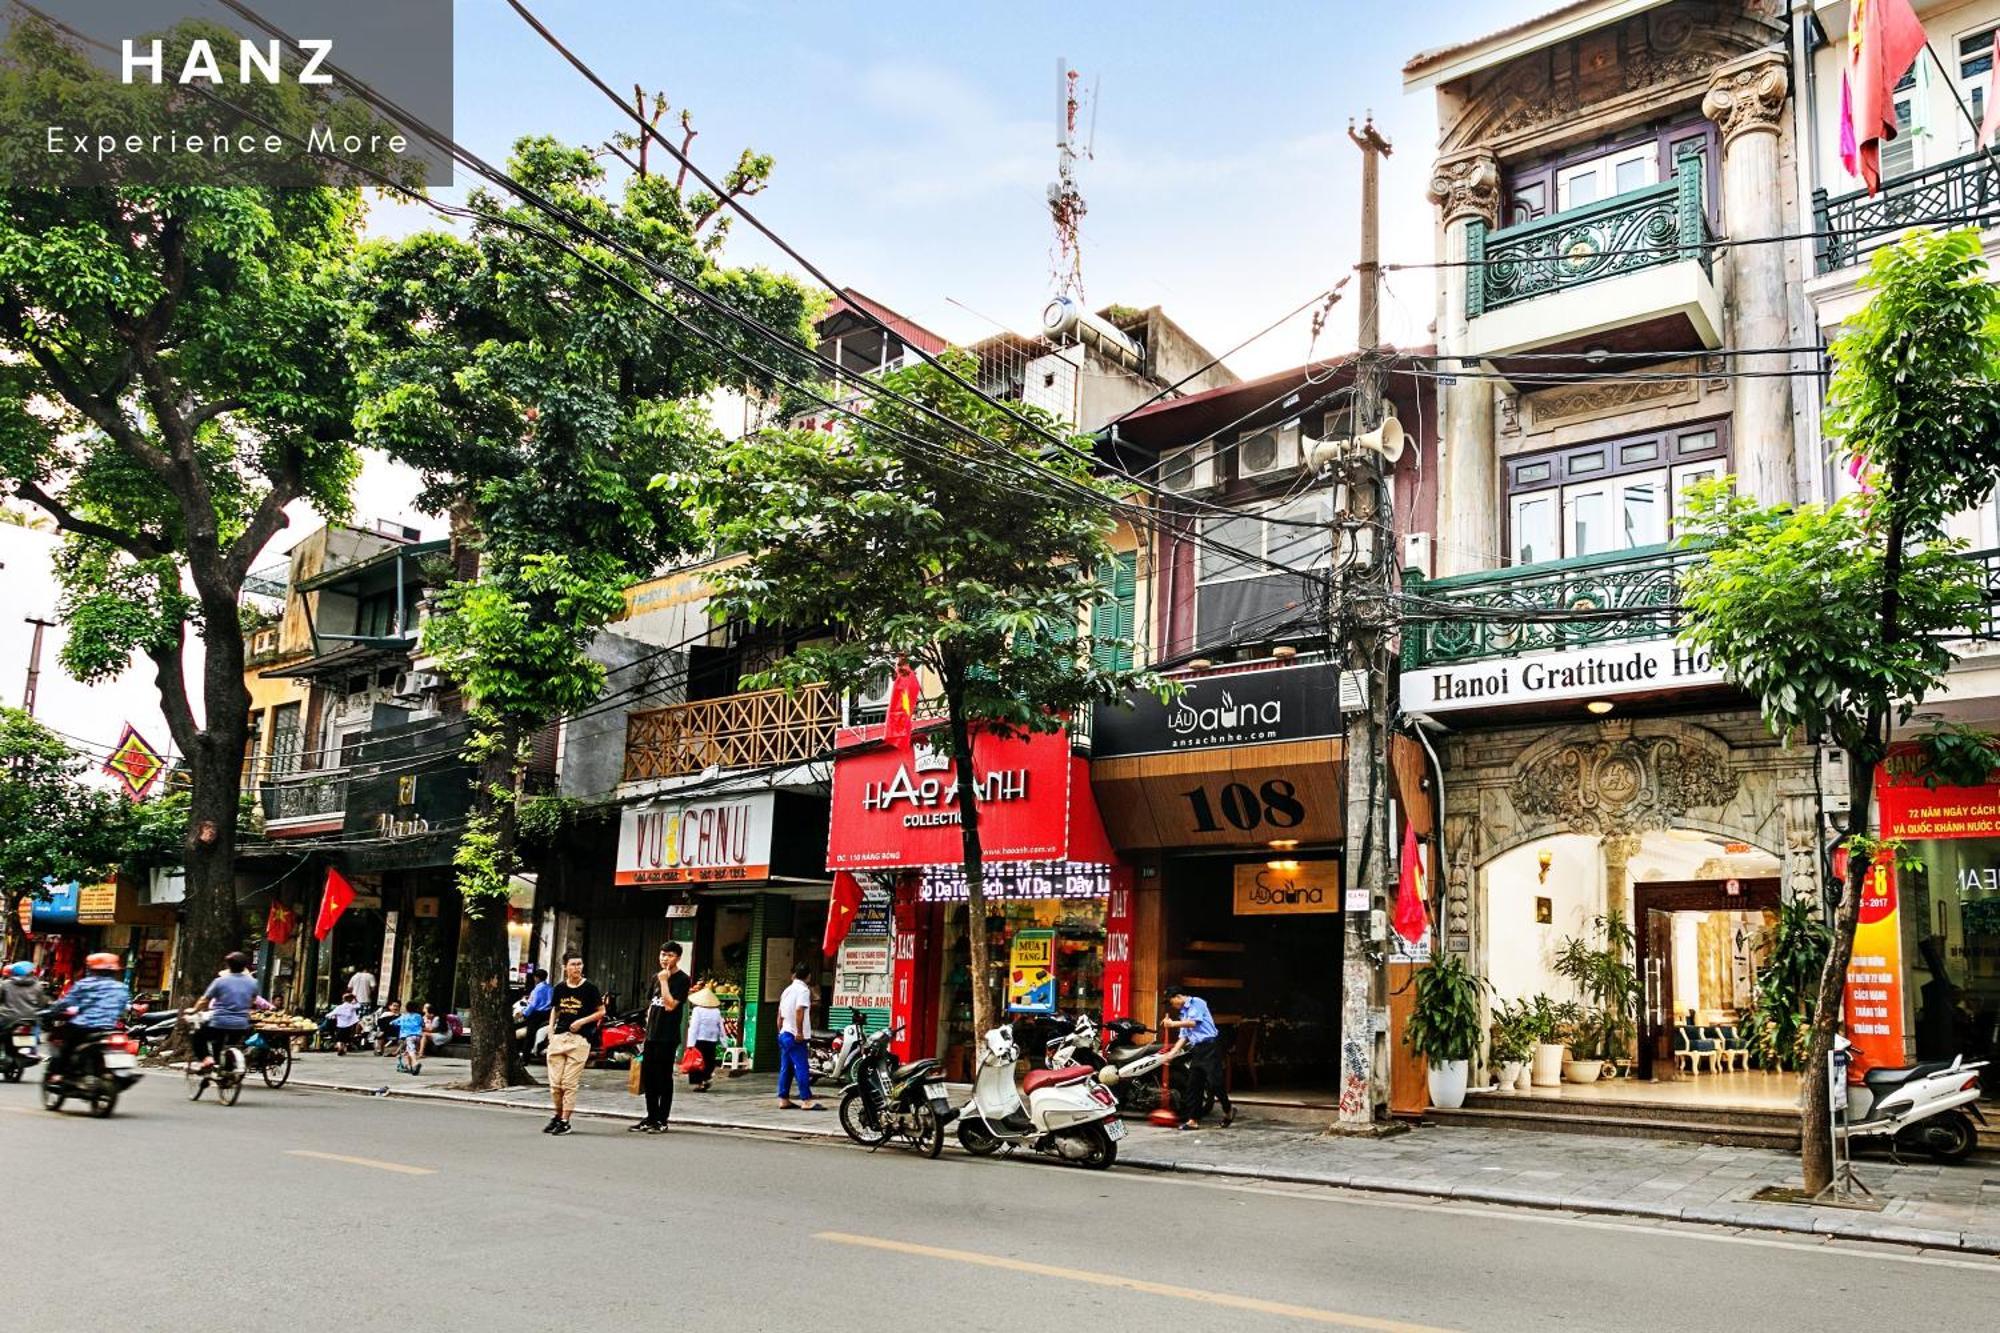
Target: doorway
x=1697 y=962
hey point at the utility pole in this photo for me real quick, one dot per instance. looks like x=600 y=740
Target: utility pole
x=34 y=664
x=1363 y=526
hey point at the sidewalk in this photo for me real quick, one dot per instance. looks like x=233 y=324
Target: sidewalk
x=1945 y=1208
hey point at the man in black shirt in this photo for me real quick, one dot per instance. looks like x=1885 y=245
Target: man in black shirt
x=663 y=1036
x=576 y=1011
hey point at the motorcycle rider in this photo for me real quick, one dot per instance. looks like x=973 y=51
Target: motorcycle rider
x=22 y=995
x=93 y=1007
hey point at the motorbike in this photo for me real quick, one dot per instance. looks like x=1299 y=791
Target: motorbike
x=18 y=1052
x=1928 y=1106
x=1115 y=1047
x=823 y=1054
x=1069 y=1114
x=97 y=1069
x=886 y=1100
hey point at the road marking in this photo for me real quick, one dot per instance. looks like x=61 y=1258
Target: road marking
x=363 y=1161
x=1228 y=1300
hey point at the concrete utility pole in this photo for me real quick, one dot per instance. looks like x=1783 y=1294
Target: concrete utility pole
x=34 y=664
x=1363 y=526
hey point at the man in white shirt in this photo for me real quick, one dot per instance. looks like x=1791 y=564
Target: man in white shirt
x=794 y=1032
x=362 y=983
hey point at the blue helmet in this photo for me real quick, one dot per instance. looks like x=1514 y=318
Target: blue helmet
x=20 y=971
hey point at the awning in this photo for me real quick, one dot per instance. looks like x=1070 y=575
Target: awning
x=347 y=660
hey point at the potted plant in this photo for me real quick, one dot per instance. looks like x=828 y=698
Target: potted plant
x=1512 y=1042
x=1444 y=1027
x=1545 y=1021
x=1600 y=966
x=1583 y=1035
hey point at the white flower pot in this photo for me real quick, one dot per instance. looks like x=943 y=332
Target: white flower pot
x=1522 y=1083
x=1510 y=1073
x=1447 y=1082
x=1548 y=1067
x=1582 y=1071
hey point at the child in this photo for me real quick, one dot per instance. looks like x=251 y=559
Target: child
x=346 y=1023
x=385 y=1027
x=410 y=1031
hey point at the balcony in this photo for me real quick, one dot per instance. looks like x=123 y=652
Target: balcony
x=763 y=728
x=298 y=800
x=1961 y=192
x=1630 y=273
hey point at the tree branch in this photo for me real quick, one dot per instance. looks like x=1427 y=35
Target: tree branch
x=138 y=545
x=171 y=677
x=286 y=487
x=201 y=416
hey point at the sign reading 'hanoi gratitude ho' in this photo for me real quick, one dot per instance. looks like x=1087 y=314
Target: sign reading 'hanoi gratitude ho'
x=723 y=838
x=1596 y=672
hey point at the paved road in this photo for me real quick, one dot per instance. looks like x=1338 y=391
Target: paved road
x=311 y=1211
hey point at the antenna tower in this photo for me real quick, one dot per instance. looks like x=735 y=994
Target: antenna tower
x=1066 y=206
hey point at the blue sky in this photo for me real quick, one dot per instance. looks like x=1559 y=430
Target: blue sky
x=914 y=143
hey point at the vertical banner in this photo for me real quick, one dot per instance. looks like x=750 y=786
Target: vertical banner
x=906 y=915
x=1118 y=946
x=1875 y=977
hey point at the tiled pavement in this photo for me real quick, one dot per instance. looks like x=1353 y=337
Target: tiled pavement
x=1946 y=1208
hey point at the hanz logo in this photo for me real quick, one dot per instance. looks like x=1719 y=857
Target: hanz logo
x=202 y=66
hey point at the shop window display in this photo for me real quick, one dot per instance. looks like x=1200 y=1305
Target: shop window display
x=1078 y=962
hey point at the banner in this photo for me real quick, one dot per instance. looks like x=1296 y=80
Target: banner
x=861 y=979
x=1222 y=709
x=1874 y=1004
x=895 y=807
x=719 y=839
x=1118 y=947
x=1031 y=972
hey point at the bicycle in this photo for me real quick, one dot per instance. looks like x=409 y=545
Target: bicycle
x=231 y=1067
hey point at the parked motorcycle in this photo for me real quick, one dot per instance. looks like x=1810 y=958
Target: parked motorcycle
x=1115 y=1047
x=1921 y=1106
x=96 y=1070
x=885 y=1100
x=1067 y=1113
x=823 y=1054
x=18 y=1052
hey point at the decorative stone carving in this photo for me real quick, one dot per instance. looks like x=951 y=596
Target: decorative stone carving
x=1467 y=186
x=1802 y=846
x=1620 y=783
x=1747 y=96
x=1587 y=401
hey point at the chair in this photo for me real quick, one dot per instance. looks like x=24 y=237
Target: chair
x=1730 y=1047
x=1692 y=1049
x=1243 y=1043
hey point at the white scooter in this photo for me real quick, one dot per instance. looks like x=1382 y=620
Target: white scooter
x=1068 y=1114
x=1918 y=1107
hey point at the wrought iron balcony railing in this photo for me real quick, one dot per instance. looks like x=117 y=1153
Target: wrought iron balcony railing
x=1640 y=229
x=1535 y=608
x=319 y=794
x=752 y=730
x=1964 y=191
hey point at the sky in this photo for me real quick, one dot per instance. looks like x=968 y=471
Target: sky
x=915 y=144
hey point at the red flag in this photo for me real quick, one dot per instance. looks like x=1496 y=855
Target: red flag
x=840 y=912
x=339 y=897
x=1884 y=39
x=278 y=924
x=902 y=706
x=1412 y=918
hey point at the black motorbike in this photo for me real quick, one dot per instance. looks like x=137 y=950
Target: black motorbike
x=1118 y=1043
x=18 y=1052
x=885 y=1100
x=92 y=1069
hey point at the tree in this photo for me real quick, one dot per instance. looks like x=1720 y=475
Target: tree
x=172 y=378
x=54 y=825
x=906 y=540
x=538 y=392
x=1836 y=617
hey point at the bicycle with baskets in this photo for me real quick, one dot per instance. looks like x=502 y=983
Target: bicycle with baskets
x=266 y=1050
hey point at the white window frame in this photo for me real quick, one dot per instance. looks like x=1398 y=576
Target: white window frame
x=1271 y=537
x=1607 y=165
x=1975 y=88
x=1550 y=496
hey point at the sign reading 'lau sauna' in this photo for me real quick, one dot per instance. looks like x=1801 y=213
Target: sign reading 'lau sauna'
x=1597 y=672
x=719 y=839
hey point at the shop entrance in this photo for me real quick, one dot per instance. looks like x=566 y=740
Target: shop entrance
x=1268 y=964
x=1698 y=955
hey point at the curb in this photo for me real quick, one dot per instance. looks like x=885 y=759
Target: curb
x=1735 y=1215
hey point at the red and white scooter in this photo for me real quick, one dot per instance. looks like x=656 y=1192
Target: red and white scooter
x=1067 y=1113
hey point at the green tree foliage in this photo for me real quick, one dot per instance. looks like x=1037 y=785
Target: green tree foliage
x=538 y=392
x=53 y=824
x=173 y=376
x=902 y=538
x=1837 y=617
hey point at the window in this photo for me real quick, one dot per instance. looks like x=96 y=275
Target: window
x=1589 y=173
x=1283 y=542
x=1602 y=177
x=285 y=740
x=1975 y=77
x=375 y=616
x=1612 y=495
x=1112 y=621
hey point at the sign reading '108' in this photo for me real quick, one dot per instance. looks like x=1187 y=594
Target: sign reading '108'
x=1273 y=803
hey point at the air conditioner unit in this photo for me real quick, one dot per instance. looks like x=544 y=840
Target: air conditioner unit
x=1269 y=451
x=875 y=694
x=1184 y=471
x=414 y=684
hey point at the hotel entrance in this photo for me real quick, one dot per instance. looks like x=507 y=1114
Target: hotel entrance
x=1700 y=948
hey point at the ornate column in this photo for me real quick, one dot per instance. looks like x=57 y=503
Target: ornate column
x=1746 y=99
x=1466 y=189
x=1618 y=852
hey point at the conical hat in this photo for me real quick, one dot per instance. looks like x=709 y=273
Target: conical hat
x=704 y=999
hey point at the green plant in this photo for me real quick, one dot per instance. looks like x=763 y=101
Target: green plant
x=1544 y=1021
x=1955 y=755
x=1444 y=1021
x=1794 y=949
x=1600 y=966
x=1512 y=1033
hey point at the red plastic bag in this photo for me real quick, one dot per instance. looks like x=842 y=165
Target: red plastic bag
x=692 y=1063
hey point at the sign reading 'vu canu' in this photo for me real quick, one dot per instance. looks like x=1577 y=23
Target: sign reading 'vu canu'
x=718 y=839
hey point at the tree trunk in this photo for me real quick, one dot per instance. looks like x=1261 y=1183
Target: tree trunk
x=1815 y=1107
x=16 y=939
x=496 y=1062
x=211 y=924
x=984 y=1016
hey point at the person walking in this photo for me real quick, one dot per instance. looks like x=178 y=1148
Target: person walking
x=410 y=1036
x=576 y=1009
x=1205 y=1074
x=794 y=1038
x=362 y=984
x=704 y=1036
x=663 y=1038
x=346 y=1023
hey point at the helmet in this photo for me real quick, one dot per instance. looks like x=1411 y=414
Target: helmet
x=104 y=962
x=20 y=971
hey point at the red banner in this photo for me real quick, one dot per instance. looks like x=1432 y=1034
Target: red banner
x=1118 y=946
x=899 y=807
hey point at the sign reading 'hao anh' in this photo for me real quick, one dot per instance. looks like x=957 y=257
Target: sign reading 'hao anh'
x=897 y=805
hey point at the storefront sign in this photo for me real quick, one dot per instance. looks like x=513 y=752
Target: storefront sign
x=1287 y=887
x=861 y=980
x=1239 y=708
x=97 y=905
x=1118 y=948
x=56 y=910
x=872 y=917
x=897 y=806
x=1019 y=882
x=719 y=839
x=1875 y=974
x=1245 y=797
x=1597 y=672
x=1031 y=973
